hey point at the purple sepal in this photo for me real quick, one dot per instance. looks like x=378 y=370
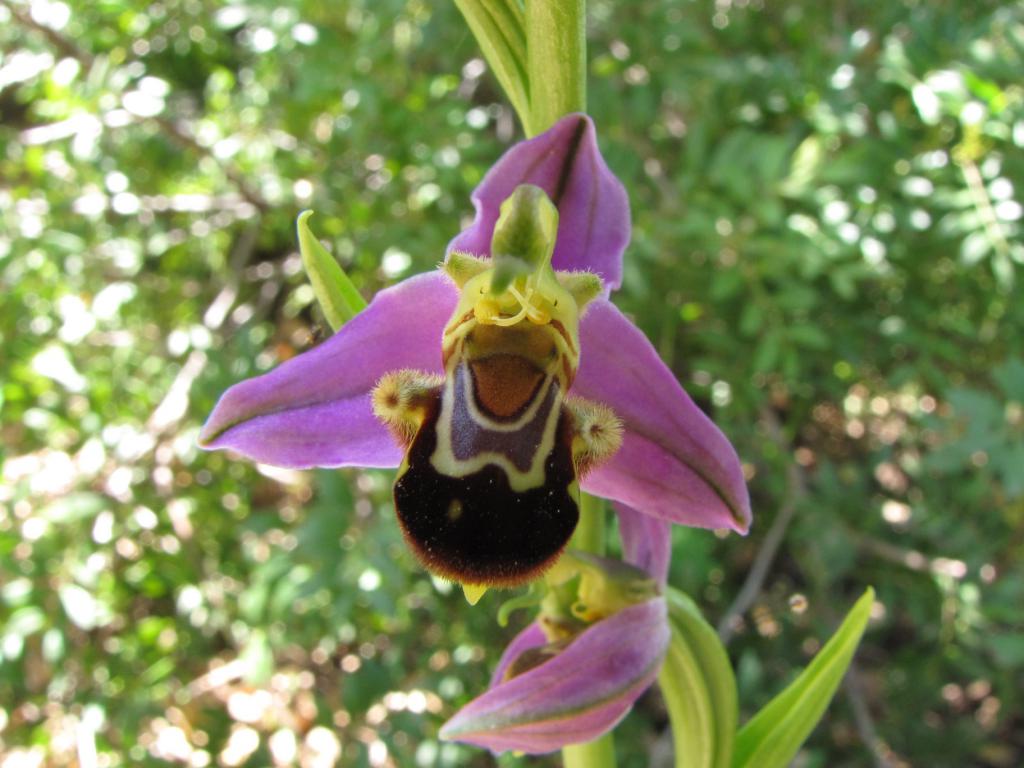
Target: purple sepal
x=646 y=541
x=314 y=410
x=674 y=463
x=576 y=696
x=593 y=208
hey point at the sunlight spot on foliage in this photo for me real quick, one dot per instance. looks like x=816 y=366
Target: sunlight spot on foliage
x=242 y=742
x=843 y=76
x=92 y=203
x=54 y=363
x=262 y=40
x=1009 y=210
x=394 y=262
x=895 y=512
x=369 y=580
x=920 y=219
x=23 y=65
x=322 y=748
x=54 y=15
x=284 y=747
x=973 y=113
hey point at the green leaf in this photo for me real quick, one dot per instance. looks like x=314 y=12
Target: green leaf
x=751 y=319
x=773 y=736
x=499 y=29
x=804 y=166
x=699 y=689
x=161 y=669
x=258 y=657
x=83 y=609
x=25 y=622
x=338 y=297
x=1007 y=648
x=809 y=336
x=766 y=356
x=73 y=507
x=1009 y=375
x=599 y=753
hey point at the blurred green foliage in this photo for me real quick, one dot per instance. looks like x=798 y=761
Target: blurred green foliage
x=827 y=249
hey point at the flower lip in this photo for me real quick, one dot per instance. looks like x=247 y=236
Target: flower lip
x=482 y=518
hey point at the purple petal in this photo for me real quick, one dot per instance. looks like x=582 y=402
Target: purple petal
x=314 y=410
x=531 y=637
x=646 y=541
x=593 y=226
x=578 y=695
x=674 y=463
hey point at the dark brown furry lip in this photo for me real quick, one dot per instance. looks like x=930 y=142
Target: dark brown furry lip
x=497 y=537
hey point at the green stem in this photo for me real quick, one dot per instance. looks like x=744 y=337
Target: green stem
x=590 y=535
x=556 y=69
x=556 y=61
x=599 y=753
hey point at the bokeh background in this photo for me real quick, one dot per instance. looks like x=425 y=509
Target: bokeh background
x=827 y=250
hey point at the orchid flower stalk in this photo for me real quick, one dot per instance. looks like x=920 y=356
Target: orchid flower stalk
x=501 y=386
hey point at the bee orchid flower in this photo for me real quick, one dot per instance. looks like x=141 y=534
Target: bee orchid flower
x=502 y=383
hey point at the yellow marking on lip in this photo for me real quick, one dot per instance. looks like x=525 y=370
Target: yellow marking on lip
x=445 y=461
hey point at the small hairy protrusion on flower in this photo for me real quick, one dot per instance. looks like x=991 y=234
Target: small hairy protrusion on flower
x=463 y=267
x=584 y=286
x=598 y=433
x=400 y=400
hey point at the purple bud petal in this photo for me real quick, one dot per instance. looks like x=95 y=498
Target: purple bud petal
x=314 y=410
x=531 y=637
x=674 y=463
x=646 y=541
x=578 y=695
x=564 y=161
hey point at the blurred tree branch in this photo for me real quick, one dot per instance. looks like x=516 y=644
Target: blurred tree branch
x=796 y=491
